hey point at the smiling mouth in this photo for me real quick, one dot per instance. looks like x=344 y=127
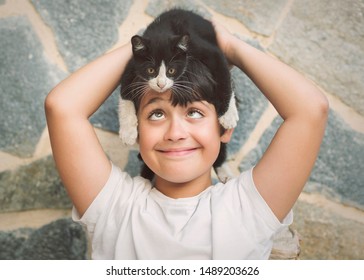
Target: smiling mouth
x=178 y=152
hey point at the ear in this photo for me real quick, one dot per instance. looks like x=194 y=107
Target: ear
x=183 y=43
x=139 y=44
x=226 y=136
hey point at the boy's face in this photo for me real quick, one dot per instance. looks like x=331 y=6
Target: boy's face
x=179 y=144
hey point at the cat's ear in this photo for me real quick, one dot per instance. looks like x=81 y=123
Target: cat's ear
x=183 y=42
x=139 y=44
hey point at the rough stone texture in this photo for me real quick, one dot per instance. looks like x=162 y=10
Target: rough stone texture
x=12 y=242
x=255 y=154
x=251 y=104
x=338 y=172
x=259 y=16
x=32 y=186
x=325 y=40
x=133 y=166
x=84 y=29
x=25 y=77
x=156 y=7
x=59 y=240
x=106 y=116
x=326 y=235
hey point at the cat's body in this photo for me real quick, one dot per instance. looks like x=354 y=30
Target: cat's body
x=177 y=51
x=175 y=44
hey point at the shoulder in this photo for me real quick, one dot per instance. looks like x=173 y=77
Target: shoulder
x=240 y=195
x=121 y=181
x=242 y=182
x=119 y=189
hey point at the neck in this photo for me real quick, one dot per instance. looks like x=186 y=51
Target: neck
x=182 y=190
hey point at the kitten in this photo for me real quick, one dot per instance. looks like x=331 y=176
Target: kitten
x=177 y=51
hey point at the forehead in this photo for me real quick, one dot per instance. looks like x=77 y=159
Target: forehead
x=153 y=97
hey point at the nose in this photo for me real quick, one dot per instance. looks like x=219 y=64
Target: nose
x=161 y=82
x=176 y=130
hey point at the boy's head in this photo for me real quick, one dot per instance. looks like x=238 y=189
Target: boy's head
x=178 y=142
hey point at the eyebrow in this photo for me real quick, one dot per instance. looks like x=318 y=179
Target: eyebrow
x=157 y=99
x=152 y=100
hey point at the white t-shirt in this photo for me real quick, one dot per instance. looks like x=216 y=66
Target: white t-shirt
x=129 y=219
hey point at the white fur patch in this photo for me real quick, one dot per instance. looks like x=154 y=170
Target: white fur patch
x=161 y=83
x=128 y=121
x=231 y=116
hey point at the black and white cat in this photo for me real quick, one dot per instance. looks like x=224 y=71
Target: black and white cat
x=178 y=51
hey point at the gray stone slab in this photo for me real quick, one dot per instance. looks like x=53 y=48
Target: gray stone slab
x=325 y=39
x=251 y=105
x=326 y=235
x=106 y=117
x=259 y=16
x=33 y=186
x=25 y=77
x=338 y=172
x=60 y=240
x=84 y=29
x=156 y=7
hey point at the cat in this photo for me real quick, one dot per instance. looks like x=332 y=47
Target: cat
x=177 y=51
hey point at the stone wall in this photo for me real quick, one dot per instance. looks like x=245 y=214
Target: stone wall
x=44 y=41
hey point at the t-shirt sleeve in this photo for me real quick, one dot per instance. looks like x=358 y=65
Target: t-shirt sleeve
x=118 y=189
x=258 y=205
x=242 y=220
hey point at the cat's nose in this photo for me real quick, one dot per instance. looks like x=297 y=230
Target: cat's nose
x=161 y=83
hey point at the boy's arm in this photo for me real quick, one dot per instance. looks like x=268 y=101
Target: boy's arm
x=283 y=170
x=81 y=162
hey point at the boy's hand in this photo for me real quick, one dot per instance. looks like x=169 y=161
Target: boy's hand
x=224 y=40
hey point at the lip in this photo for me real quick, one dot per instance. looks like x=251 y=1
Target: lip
x=179 y=152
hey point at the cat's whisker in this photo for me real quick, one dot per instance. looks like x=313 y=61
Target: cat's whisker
x=134 y=90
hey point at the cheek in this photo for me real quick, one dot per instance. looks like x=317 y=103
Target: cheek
x=209 y=136
x=148 y=137
x=143 y=131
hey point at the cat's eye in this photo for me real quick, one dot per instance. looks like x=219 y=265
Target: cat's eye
x=150 y=70
x=171 y=71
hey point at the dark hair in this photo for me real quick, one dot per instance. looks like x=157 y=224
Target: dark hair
x=196 y=84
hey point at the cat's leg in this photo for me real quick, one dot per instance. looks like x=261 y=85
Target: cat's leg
x=128 y=121
x=230 y=118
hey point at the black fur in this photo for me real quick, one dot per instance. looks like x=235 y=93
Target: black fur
x=200 y=64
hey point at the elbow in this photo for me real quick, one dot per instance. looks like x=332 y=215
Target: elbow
x=322 y=108
x=318 y=111
x=50 y=103
x=54 y=104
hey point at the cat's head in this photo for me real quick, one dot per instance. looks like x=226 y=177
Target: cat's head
x=161 y=61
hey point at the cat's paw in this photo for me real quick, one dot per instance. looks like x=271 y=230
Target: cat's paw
x=231 y=116
x=128 y=122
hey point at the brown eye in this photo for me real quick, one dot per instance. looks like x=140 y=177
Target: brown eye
x=150 y=70
x=171 y=71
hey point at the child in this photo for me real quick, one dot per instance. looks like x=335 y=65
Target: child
x=179 y=215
